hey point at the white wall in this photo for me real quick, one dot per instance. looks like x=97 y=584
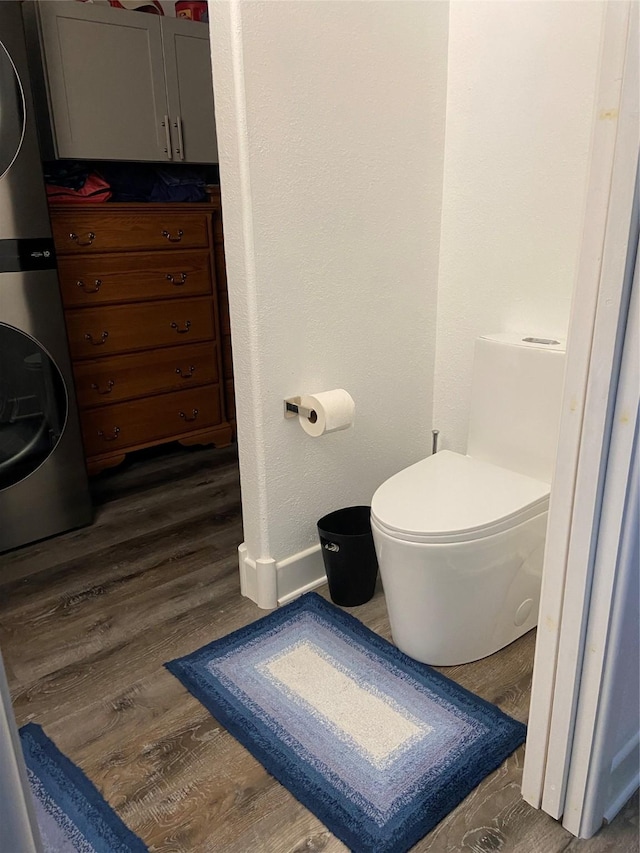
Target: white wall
x=521 y=83
x=331 y=127
x=343 y=226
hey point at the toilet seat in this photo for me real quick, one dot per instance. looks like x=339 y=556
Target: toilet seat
x=449 y=497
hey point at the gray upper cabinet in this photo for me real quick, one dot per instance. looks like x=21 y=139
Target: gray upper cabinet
x=126 y=85
x=187 y=60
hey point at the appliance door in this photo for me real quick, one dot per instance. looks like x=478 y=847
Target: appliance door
x=43 y=481
x=12 y=111
x=33 y=405
x=23 y=209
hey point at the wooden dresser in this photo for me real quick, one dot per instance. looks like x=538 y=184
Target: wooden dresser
x=141 y=303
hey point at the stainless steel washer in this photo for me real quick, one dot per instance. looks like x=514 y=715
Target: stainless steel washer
x=43 y=481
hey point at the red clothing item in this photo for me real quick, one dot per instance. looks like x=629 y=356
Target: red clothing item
x=94 y=189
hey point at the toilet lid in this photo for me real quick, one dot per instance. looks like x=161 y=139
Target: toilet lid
x=449 y=497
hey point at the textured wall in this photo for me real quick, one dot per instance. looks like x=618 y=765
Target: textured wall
x=521 y=81
x=331 y=128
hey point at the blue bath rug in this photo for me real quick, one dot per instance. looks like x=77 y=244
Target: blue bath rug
x=378 y=746
x=72 y=815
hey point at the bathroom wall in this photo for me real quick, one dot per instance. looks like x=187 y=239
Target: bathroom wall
x=521 y=80
x=331 y=131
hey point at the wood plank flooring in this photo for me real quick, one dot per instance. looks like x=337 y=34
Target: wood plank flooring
x=88 y=619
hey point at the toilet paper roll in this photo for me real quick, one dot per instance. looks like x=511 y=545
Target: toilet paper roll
x=334 y=411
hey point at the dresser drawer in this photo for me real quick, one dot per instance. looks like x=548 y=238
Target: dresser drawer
x=104 y=381
x=133 y=277
x=109 y=429
x=88 y=232
x=115 y=329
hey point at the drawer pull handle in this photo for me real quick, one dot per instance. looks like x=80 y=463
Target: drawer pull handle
x=77 y=239
x=115 y=432
x=176 y=281
x=97 y=284
x=108 y=389
x=96 y=343
x=184 y=374
x=171 y=238
x=192 y=417
x=187 y=326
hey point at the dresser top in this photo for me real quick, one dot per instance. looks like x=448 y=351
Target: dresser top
x=136 y=207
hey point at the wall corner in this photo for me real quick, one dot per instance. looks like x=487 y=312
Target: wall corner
x=258 y=579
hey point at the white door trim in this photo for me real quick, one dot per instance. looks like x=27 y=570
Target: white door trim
x=18 y=822
x=589 y=780
x=610 y=319
x=577 y=488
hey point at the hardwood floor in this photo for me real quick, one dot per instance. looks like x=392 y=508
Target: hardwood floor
x=88 y=619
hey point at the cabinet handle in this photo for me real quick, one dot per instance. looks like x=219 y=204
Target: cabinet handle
x=103 y=337
x=110 y=384
x=180 y=149
x=187 y=326
x=176 y=239
x=192 y=417
x=77 y=239
x=184 y=374
x=167 y=138
x=97 y=284
x=115 y=432
x=174 y=280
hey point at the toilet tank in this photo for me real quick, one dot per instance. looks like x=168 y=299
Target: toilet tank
x=515 y=402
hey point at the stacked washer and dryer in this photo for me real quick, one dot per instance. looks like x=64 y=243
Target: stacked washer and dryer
x=43 y=482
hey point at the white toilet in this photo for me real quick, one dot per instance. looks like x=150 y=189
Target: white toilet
x=460 y=539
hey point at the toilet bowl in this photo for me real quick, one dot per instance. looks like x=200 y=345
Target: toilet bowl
x=460 y=538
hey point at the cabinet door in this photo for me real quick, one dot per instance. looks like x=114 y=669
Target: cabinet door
x=187 y=58
x=105 y=80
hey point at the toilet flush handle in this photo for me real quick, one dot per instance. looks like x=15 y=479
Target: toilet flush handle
x=331 y=546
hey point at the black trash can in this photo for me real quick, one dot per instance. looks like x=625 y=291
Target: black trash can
x=349 y=555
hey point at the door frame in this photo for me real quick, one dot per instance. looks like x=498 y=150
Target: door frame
x=596 y=333
x=605 y=763
x=17 y=809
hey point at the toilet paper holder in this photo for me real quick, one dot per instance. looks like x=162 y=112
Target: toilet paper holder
x=293 y=408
